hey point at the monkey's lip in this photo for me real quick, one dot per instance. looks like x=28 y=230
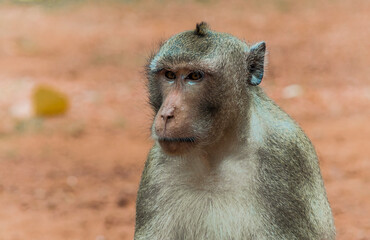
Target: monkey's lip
x=177 y=140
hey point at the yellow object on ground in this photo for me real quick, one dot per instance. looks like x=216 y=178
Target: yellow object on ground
x=48 y=102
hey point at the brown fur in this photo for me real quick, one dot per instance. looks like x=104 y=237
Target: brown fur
x=227 y=162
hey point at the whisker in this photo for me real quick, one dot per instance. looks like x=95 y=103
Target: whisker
x=185 y=139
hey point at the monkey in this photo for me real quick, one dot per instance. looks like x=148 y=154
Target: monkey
x=227 y=163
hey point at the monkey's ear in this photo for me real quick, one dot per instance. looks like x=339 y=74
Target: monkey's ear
x=255 y=63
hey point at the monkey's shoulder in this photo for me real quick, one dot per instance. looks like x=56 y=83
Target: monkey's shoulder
x=274 y=127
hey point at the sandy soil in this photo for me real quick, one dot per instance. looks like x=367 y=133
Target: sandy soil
x=76 y=176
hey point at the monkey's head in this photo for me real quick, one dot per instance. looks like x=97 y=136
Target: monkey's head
x=198 y=86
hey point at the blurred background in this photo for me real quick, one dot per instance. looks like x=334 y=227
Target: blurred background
x=70 y=169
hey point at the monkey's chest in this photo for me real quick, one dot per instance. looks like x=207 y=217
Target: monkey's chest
x=201 y=214
x=192 y=204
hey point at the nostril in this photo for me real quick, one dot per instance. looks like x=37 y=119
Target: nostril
x=168 y=113
x=167 y=117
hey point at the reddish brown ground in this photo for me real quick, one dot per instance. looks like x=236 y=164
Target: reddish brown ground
x=76 y=176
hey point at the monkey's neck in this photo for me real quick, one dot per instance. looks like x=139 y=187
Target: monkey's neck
x=232 y=141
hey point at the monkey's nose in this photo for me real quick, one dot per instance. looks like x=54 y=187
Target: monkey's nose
x=168 y=113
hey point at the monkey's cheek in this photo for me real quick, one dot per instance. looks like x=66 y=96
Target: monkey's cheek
x=175 y=148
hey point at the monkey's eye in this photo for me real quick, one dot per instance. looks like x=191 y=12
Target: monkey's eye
x=170 y=75
x=194 y=76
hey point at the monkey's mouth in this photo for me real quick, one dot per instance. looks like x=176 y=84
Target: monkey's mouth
x=177 y=140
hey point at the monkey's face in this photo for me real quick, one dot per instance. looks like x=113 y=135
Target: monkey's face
x=197 y=87
x=185 y=116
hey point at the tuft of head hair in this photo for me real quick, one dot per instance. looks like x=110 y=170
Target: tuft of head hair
x=201 y=29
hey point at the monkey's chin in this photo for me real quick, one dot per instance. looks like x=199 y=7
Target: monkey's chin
x=176 y=146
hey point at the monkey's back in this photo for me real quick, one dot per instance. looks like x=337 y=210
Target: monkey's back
x=289 y=186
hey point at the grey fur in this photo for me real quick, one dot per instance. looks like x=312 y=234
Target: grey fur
x=254 y=175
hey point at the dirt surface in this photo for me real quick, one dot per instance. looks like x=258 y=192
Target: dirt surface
x=75 y=176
